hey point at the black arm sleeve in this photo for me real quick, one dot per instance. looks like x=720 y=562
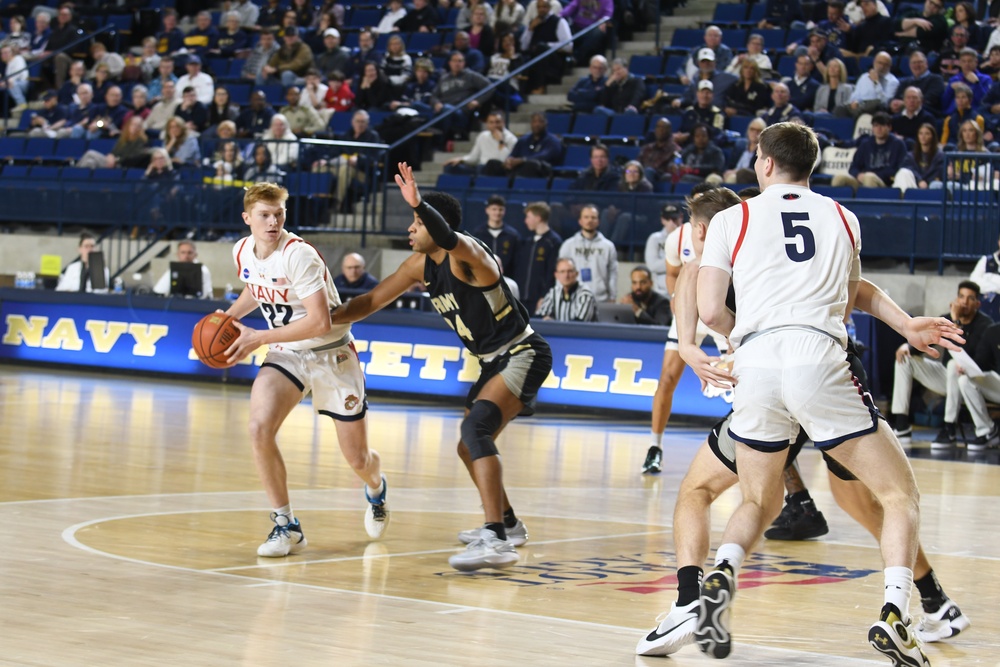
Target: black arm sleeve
x=439 y=230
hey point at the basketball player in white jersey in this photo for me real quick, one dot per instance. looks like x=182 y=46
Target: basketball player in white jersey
x=290 y=282
x=793 y=258
x=677 y=250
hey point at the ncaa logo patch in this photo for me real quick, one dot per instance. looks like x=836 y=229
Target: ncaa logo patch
x=687 y=251
x=246 y=273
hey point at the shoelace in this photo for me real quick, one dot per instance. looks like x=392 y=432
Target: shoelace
x=278 y=532
x=378 y=512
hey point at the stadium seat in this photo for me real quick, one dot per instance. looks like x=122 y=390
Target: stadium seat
x=39 y=149
x=618 y=153
x=646 y=66
x=727 y=13
x=837 y=193
x=877 y=193
x=626 y=125
x=45 y=173
x=916 y=194
x=239 y=93
x=589 y=126
x=560 y=184
x=735 y=38
x=756 y=15
x=24 y=125
x=683 y=189
x=499 y=183
x=420 y=42
x=739 y=124
x=674 y=63
x=686 y=39
x=524 y=184
x=774 y=39
x=11 y=148
x=840 y=128
x=577 y=157
x=559 y=123
x=364 y=17
x=453 y=182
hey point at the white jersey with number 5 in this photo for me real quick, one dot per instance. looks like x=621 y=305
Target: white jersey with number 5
x=294 y=271
x=678 y=248
x=790 y=253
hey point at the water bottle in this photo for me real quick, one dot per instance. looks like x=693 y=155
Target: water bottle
x=19 y=280
x=230 y=294
x=119 y=286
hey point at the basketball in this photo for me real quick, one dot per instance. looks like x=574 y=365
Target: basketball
x=212 y=336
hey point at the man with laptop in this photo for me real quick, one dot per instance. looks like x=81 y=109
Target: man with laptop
x=185 y=277
x=86 y=273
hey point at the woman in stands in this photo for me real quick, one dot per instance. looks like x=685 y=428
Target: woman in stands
x=101 y=82
x=755 y=52
x=17 y=38
x=965 y=15
x=182 y=147
x=332 y=12
x=924 y=167
x=508 y=17
x=971 y=173
x=396 y=63
x=480 y=33
x=835 y=90
x=128 y=151
x=233 y=40
x=506 y=60
x=373 y=90
x=618 y=225
x=261 y=169
x=282 y=143
x=303 y=12
x=140 y=103
x=750 y=94
x=221 y=109
x=228 y=163
x=464 y=19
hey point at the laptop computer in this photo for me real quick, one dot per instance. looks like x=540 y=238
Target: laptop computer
x=618 y=313
x=186 y=279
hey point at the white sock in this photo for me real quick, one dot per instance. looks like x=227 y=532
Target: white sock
x=898 y=585
x=657 y=439
x=375 y=493
x=734 y=554
x=284 y=514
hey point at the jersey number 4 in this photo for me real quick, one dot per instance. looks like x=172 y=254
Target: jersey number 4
x=459 y=326
x=795 y=232
x=279 y=314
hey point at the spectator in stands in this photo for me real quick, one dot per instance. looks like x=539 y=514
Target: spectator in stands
x=354 y=170
x=817 y=46
x=534 y=154
x=963 y=112
x=100 y=55
x=877 y=159
x=101 y=82
x=474 y=58
x=454 y=88
x=374 y=89
x=339 y=97
x=621 y=225
x=948 y=60
x=140 y=105
x=755 y=53
x=924 y=166
x=170 y=40
x=363 y=53
x=994 y=39
x=964 y=14
x=782 y=110
x=969 y=75
x=303 y=12
x=303 y=120
x=508 y=16
x=79 y=114
x=802 y=86
x=76 y=276
x=659 y=156
x=423 y=18
x=67 y=92
x=505 y=60
x=353 y=275
x=204 y=86
x=648 y=305
x=707 y=71
x=623 y=92
x=226 y=130
x=396 y=63
x=836 y=25
x=481 y=35
x=248 y=11
x=873 y=91
x=971 y=173
x=782 y=14
x=394 y=11
x=282 y=143
x=15 y=76
x=192 y=111
x=568 y=300
x=221 y=109
x=491 y=148
x=702 y=160
x=227 y=162
x=204 y=37
x=163 y=110
x=545 y=30
x=835 y=90
x=51 y=118
x=39 y=43
x=232 y=42
x=535 y=257
x=582 y=14
x=272 y=15
x=594 y=255
x=868 y=34
x=333 y=57
x=164 y=73
x=256 y=118
x=587 y=90
x=262 y=169
x=986 y=273
x=181 y=145
x=671 y=217
x=740 y=167
x=500 y=239
x=721 y=56
x=16 y=36
x=314 y=94
x=289 y=23
x=703 y=112
x=260 y=55
x=989 y=108
x=930 y=85
x=926 y=29
x=939 y=376
x=289 y=64
x=107 y=119
x=600 y=176
x=418 y=94
x=63 y=34
x=913 y=116
x=188 y=254
x=991 y=67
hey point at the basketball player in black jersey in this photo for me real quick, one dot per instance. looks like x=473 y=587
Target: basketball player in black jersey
x=467 y=289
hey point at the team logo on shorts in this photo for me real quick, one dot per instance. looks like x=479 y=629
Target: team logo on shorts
x=351 y=402
x=342 y=357
x=246 y=273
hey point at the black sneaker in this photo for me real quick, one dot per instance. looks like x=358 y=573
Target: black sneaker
x=800 y=525
x=945 y=438
x=654 y=461
x=789 y=513
x=902 y=430
x=987 y=441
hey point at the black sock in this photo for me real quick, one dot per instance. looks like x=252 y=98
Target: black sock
x=798 y=498
x=498 y=529
x=688 y=584
x=509 y=520
x=931 y=594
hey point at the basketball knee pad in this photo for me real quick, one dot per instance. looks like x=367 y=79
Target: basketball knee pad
x=478 y=427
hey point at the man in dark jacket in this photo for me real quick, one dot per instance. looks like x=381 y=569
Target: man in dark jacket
x=623 y=93
x=868 y=35
x=649 y=306
x=422 y=18
x=353 y=276
x=455 y=87
x=536 y=256
x=586 y=92
x=878 y=157
x=502 y=240
x=535 y=153
x=600 y=177
x=930 y=84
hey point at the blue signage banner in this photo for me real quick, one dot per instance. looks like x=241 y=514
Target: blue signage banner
x=612 y=367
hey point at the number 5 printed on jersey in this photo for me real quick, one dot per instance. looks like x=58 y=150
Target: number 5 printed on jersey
x=793 y=232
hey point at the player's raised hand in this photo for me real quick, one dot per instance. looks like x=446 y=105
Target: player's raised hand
x=407 y=185
x=922 y=332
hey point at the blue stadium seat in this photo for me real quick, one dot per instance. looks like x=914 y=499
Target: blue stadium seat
x=524 y=184
x=419 y=42
x=624 y=152
x=76 y=174
x=340 y=122
x=453 y=182
x=662 y=187
x=729 y=12
x=683 y=189
x=559 y=123
x=627 y=125
x=674 y=63
x=739 y=124
x=646 y=66
x=44 y=173
x=687 y=38
x=577 y=157
x=25 y=123
x=101 y=145
x=877 y=193
x=121 y=22
x=589 y=125
x=838 y=193
x=916 y=194
x=796 y=35
x=774 y=39
x=236 y=68
x=498 y=183
x=12 y=172
x=757 y=11
x=786 y=66
x=274 y=93
x=841 y=128
x=239 y=93
x=560 y=184
x=736 y=39
x=219 y=67
x=39 y=149
x=363 y=17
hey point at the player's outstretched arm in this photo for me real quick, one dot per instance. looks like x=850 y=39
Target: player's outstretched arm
x=685 y=309
x=920 y=332
x=387 y=291
x=713 y=286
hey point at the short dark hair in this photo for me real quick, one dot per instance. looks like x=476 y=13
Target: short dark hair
x=748 y=193
x=600 y=147
x=968 y=284
x=881 y=118
x=702 y=188
x=449 y=207
x=496 y=200
x=793 y=148
x=644 y=269
x=188 y=89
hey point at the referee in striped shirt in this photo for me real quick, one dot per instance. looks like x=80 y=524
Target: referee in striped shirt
x=568 y=300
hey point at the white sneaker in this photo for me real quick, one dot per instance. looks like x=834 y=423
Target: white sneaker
x=675 y=630
x=517 y=536
x=284 y=539
x=946 y=622
x=485 y=551
x=377 y=513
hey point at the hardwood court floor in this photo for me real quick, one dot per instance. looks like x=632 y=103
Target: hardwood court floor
x=132 y=513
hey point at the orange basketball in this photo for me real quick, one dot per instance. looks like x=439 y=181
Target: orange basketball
x=212 y=336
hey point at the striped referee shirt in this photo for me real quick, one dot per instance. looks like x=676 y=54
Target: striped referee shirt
x=578 y=305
